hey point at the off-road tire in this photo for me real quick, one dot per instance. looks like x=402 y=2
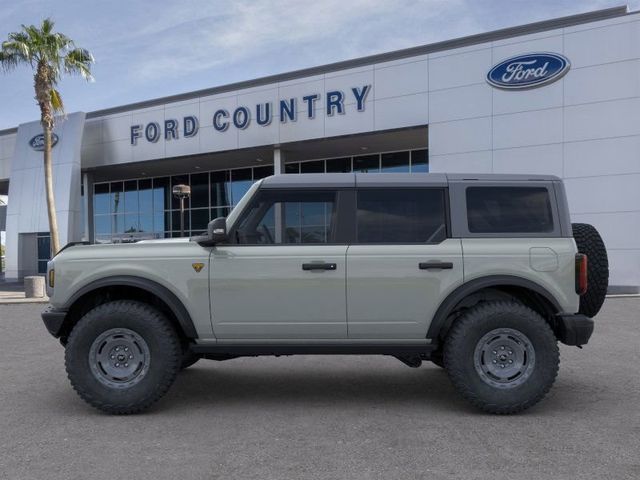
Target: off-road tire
x=469 y=330
x=589 y=242
x=165 y=355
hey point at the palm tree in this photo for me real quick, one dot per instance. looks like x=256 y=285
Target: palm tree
x=50 y=55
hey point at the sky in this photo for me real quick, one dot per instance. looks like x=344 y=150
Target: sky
x=149 y=49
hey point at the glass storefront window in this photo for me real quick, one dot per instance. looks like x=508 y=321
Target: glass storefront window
x=220 y=188
x=161 y=194
x=316 y=166
x=117 y=197
x=241 y=180
x=339 y=165
x=395 y=162
x=199 y=190
x=420 y=161
x=145 y=196
x=101 y=199
x=131 y=196
x=292 y=168
x=366 y=164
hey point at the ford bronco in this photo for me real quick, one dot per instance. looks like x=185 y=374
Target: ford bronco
x=480 y=274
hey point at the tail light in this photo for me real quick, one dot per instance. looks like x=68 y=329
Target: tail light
x=582 y=281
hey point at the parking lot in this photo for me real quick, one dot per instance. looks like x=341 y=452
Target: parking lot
x=322 y=417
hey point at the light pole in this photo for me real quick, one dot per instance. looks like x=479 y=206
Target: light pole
x=181 y=192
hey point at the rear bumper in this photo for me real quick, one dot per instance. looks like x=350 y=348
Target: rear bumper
x=574 y=329
x=53 y=319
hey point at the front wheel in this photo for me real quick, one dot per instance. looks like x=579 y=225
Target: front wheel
x=122 y=356
x=502 y=357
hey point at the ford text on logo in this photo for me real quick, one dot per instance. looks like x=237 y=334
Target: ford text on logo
x=261 y=114
x=528 y=71
x=37 y=142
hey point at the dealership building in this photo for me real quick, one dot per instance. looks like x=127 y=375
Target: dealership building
x=557 y=97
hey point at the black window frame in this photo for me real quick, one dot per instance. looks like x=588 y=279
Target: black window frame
x=445 y=203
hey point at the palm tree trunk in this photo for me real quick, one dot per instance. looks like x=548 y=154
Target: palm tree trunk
x=51 y=204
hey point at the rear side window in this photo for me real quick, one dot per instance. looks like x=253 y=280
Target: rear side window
x=509 y=210
x=401 y=215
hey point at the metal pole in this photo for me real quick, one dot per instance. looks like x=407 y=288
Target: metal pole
x=182 y=216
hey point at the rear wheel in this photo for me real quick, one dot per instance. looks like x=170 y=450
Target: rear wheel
x=589 y=242
x=501 y=356
x=122 y=356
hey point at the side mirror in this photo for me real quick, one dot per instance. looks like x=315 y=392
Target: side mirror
x=217 y=230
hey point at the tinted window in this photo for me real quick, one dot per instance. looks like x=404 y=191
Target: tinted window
x=288 y=217
x=403 y=215
x=509 y=210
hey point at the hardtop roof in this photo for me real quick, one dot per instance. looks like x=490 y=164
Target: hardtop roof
x=346 y=180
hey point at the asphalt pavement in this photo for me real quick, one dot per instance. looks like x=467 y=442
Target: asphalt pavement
x=337 y=417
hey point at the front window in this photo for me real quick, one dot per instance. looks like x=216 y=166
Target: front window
x=288 y=217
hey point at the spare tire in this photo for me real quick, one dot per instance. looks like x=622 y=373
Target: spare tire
x=590 y=243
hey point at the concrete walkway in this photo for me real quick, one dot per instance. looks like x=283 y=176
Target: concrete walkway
x=13 y=292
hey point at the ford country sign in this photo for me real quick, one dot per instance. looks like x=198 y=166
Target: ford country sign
x=37 y=142
x=528 y=71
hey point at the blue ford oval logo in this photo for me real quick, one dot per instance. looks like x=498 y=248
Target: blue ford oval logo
x=37 y=142
x=528 y=71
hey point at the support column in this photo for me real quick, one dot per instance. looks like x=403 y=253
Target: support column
x=278 y=161
x=278 y=169
x=87 y=186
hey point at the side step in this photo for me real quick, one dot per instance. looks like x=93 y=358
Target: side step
x=252 y=350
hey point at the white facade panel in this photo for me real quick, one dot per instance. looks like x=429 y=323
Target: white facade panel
x=607 y=156
x=599 y=83
x=595 y=46
x=471 y=162
x=614 y=193
x=398 y=112
x=458 y=103
x=624 y=266
x=547 y=42
x=538 y=159
x=460 y=136
x=460 y=69
x=602 y=120
x=402 y=79
x=536 y=127
x=516 y=101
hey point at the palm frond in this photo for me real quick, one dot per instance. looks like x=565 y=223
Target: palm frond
x=56 y=101
x=78 y=61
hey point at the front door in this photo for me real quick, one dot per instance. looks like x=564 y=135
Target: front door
x=402 y=263
x=283 y=276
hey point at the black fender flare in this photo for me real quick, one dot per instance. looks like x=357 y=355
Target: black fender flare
x=460 y=293
x=163 y=293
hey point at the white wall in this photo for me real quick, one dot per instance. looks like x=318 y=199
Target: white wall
x=27 y=210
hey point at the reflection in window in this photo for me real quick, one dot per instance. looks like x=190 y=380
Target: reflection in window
x=395 y=162
x=241 y=180
x=288 y=218
x=404 y=215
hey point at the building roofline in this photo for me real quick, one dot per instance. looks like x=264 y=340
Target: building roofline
x=500 y=34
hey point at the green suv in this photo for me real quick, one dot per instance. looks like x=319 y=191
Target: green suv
x=479 y=274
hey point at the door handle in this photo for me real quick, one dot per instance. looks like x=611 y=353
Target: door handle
x=319 y=266
x=435 y=265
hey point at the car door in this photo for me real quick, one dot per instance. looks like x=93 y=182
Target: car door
x=402 y=263
x=283 y=276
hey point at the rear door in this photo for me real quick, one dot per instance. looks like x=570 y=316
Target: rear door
x=402 y=264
